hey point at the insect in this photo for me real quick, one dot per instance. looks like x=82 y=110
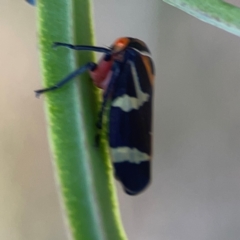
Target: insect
x=126 y=75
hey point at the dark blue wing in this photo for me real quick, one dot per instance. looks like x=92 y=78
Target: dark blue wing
x=130 y=124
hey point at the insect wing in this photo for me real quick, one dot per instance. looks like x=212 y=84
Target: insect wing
x=130 y=123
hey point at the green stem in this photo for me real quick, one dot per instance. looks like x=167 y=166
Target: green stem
x=83 y=171
x=215 y=12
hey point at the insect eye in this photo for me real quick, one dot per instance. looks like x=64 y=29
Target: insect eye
x=107 y=57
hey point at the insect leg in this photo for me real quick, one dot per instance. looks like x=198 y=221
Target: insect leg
x=32 y=2
x=115 y=73
x=82 y=47
x=89 y=66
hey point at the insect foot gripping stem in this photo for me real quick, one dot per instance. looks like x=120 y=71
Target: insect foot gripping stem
x=89 y=66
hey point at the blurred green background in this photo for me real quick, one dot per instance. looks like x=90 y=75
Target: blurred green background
x=195 y=193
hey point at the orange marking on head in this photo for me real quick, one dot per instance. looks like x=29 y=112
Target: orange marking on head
x=120 y=44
